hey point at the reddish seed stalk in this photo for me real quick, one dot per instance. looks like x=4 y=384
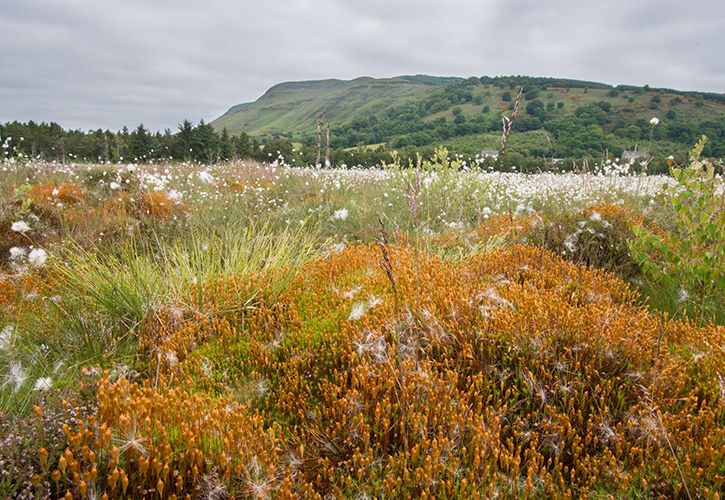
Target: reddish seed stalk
x=507 y=126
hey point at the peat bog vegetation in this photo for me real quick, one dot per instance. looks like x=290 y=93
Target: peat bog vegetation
x=244 y=329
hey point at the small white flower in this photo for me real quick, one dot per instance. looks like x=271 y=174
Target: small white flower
x=55 y=192
x=175 y=195
x=37 y=257
x=20 y=227
x=596 y=217
x=17 y=253
x=654 y=121
x=340 y=214
x=43 y=384
x=114 y=186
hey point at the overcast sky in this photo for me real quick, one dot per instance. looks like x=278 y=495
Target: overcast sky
x=108 y=63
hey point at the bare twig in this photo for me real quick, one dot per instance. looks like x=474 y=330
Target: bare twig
x=319 y=141
x=507 y=125
x=387 y=265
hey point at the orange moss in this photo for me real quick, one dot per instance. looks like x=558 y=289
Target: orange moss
x=109 y=218
x=511 y=227
x=51 y=194
x=252 y=183
x=22 y=295
x=623 y=217
x=158 y=205
x=513 y=373
x=235 y=185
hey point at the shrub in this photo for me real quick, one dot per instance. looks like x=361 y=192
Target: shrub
x=690 y=262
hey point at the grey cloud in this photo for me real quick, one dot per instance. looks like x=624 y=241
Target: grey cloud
x=109 y=63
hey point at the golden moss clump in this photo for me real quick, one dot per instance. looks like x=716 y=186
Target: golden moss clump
x=159 y=206
x=512 y=373
x=234 y=185
x=622 y=217
x=13 y=293
x=50 y=194
x=509 y=227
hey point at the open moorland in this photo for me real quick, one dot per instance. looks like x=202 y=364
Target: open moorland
x=423 y=330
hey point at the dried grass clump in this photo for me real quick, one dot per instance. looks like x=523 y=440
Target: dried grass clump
x=86 y=224
x=511 y=373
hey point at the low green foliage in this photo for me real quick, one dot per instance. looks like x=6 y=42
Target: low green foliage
x=690 y=261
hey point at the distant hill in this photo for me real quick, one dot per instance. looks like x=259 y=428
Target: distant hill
x=566 y=117
x=293 y=107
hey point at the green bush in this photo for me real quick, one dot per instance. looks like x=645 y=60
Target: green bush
x=690 y=262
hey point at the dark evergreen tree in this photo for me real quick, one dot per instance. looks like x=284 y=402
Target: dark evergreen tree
x=139 y=144
x=205 y=143
x=184 y=141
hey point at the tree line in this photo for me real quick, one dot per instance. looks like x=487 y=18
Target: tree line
x=50 y=142
x=588 y=131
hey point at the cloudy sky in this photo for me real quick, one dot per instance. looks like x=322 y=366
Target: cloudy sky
x=109 y=63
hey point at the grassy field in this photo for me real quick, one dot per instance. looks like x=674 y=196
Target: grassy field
x=253 y=330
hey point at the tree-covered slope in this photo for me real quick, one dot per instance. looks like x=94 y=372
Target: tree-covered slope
x=579 y=118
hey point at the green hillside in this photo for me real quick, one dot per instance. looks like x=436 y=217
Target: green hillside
x=572 y=118
x=293 y=107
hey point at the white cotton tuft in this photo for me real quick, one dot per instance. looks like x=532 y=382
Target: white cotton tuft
x=6 y=336
x=358 y=310
x=21 y=227
x=17 y=376
x=37 y=257
x=206 y=177
x=340 y=214
x=17 y=253
x=43 y=384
